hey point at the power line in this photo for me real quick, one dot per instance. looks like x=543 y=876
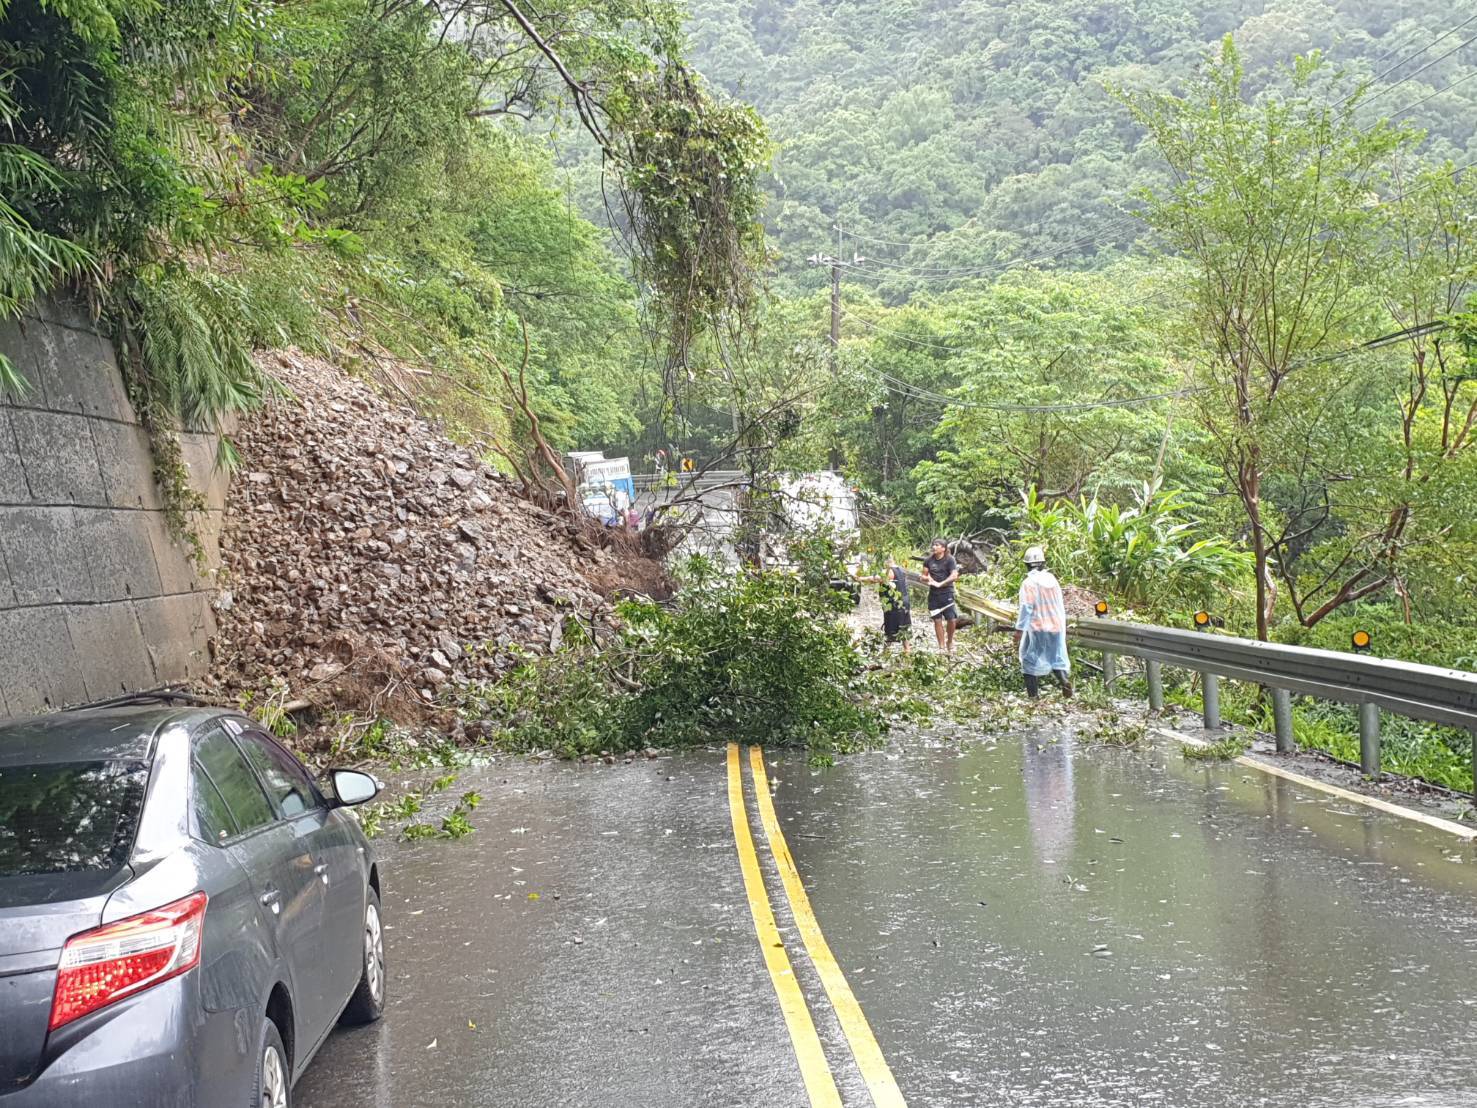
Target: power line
x=1361 y=347
x=1429 y=184
x=1007 y=332
x=1433 y=95
x=1434 y=42
x=1390 y=53
x=1034 y=409
x=917 y=392
x=1418 y=72
x=904 y=336
x=895 y=242
x=1416 y=331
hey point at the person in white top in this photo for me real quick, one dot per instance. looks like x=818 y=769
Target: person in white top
x=1041 y=627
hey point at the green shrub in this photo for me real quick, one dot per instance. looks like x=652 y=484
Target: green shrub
x=757 y=658
x=1428 y=642
x=1150 y=555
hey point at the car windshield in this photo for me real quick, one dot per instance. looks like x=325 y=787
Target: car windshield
x=68 y=817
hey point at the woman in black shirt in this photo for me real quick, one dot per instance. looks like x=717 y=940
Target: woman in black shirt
x=941 y=571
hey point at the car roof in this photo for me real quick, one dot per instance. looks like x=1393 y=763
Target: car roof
x=124 y=732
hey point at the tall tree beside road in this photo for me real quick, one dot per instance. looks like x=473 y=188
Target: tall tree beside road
x=1274 y=201
x=1369 y=495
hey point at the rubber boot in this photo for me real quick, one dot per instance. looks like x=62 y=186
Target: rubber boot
x=1033 y=685
x=1064 y=680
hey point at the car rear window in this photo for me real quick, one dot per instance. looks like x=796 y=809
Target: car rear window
x=69 y=817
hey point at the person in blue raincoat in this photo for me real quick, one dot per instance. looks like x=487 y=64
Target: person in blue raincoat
x=1041 y=627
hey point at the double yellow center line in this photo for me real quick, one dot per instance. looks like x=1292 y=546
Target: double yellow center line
x=820 y=1084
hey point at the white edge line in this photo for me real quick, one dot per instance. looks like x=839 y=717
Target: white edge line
x=1468 y=833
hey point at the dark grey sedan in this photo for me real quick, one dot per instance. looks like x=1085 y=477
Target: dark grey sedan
x=184 y=915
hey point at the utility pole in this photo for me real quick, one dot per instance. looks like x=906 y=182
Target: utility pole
x=835 y=264
x=835 y=316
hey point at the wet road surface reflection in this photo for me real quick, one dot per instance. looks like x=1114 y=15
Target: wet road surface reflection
x=1025 y=922
x=1031 y=922
x=590 y=944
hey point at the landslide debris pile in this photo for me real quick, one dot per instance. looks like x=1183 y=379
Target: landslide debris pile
x=369 y=562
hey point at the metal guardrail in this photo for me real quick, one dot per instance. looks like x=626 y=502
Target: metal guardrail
x=1446 y=696
x=1428 y=693
x=643 y=482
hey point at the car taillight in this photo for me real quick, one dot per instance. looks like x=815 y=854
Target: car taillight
x=120 y=959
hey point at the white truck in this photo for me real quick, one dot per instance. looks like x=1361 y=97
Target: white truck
x=604 y=485
x=817 y=502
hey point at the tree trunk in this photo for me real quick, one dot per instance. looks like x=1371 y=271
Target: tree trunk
x=1249 y=484
x=1259 y=548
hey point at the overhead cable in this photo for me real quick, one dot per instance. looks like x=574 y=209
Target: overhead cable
x=919 y=392
x=1433 y=95
x=998 y=267
x=1005 y=331
x=1403 y=61
x=1417 y=73
x=1396 y=49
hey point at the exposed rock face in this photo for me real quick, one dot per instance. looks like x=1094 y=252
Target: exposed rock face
x=366 y=555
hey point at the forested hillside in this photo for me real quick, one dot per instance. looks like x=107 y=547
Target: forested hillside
x=982 y=129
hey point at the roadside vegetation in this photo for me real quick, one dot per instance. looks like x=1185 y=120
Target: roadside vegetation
x=759 y=658
x=374 y=181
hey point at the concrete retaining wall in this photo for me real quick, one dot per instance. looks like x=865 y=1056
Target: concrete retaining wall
x=96 y=597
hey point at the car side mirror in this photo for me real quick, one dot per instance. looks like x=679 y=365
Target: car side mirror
x=352 y=787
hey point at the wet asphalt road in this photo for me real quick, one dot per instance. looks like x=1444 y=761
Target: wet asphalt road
x=1023 y=922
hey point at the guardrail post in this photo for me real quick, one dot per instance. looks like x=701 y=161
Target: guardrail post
x=1211 y=685
x=1282 y=720
x=1110 y=670
x=1155 y=674
x=1369 y=739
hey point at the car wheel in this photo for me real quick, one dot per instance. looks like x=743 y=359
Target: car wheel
x=273 y=1074
x=368 y=1002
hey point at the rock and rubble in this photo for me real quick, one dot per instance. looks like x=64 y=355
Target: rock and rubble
x=368 y=560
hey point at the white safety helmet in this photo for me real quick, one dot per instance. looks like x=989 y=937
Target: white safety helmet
x=1035 y=555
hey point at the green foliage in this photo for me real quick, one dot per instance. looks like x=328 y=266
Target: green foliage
x=990 y=389
x=349 y=177
x=271 y=713
x=754 y=658
x=690 y=166
x=32 y=261
x=191 y=335
x=456 y=824
x=1111 y=729
x=1442 y=755
x=923 y=687
x=1252 y=176
x=1152 y=555
x=1013 y=136
x=1428 y=642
